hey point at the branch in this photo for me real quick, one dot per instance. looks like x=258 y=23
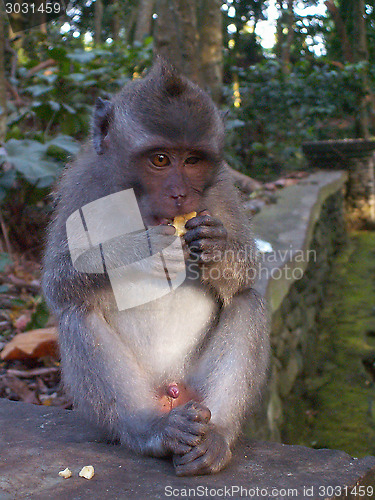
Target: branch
x=18 y=101
x=42 y=65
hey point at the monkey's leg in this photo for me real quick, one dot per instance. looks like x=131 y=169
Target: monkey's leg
x=230 y=375
x=109 y=385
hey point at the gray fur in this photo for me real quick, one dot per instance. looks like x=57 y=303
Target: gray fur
x=210 y=334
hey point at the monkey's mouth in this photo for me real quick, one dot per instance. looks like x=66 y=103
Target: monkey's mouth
x=158 y=220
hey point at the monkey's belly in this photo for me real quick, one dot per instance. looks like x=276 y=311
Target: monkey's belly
x=163 y=333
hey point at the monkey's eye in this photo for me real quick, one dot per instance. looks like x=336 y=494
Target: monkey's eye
x=192 y=160
x=160 y=160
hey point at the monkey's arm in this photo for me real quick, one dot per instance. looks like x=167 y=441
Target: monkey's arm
x=230 y=374
x=221 y=240
x=65 y=284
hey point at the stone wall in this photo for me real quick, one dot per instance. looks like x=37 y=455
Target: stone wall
x=305 y=228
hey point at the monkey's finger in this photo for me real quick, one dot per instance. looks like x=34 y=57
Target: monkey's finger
x=209 y=232
x=189 y=439
x=200 y=245
x=191 y=455
x=193 y=427
x=198 y=412
x=168 y=229
x=179 y=448
x=206 y=220
x=206 y=250
x=204 y=212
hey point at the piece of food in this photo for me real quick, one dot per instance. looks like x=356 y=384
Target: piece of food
x=180 y=220
x=87 y=472
x=66 y=473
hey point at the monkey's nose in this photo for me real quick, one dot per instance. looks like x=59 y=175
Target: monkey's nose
x=179 y=199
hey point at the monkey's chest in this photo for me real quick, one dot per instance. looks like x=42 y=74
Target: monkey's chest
x=165 y=333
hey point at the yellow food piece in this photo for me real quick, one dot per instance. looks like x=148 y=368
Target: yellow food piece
x=87 y=472
x=180 y=220
x=66 y=473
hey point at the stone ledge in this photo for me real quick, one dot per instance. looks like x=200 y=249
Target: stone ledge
x=289 y=224
x=37 y=442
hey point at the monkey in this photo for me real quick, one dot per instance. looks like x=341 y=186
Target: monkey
x=174 y=376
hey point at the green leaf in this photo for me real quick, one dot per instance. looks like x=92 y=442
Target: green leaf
x=55 y=106
x=38 y=90
x=69 y=109
x=57 y=53
x=232 y=124
x=48 y=78
x=81 y=56
x=65 y=143
x=40 y=316
x=77 y=77
x=5 y=261
x=28 y=158
x=18 y=303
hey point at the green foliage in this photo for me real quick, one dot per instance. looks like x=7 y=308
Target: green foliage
x=5 y=261
x=281 y=111
x=37 y=163
x=40 y=316
x=59 y=99
x=43 y=132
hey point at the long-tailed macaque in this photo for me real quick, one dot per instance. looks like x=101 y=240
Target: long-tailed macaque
x=170 y=375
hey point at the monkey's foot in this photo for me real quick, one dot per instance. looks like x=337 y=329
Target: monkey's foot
x=184 y=427
x=208 y=457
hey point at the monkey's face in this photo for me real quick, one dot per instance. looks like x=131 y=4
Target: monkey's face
x=164 y=136
x=172 y=182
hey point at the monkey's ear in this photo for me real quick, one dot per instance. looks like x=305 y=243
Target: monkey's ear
x=102 y=115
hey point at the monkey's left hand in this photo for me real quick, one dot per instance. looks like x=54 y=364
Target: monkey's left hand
x=208 y=457
x=206 y=237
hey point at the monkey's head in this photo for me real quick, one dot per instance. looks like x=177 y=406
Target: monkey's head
x=164 y=136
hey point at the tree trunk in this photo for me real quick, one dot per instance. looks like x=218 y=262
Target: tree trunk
x=211 y=47
x=115 y=22
x=98 y=21
x=176 y=35
x=130 y=26
x=3 y=99
x=279 y=30
x=144 y=20
x=362 y=55
x=341 y=31
x=288 y=39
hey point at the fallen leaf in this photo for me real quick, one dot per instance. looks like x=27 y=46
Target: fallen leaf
x=31 y=345
x=20 y=388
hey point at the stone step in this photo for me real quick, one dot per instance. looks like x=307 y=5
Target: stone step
x=37 y=442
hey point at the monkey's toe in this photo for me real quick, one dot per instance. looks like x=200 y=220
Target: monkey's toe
x=210 y=456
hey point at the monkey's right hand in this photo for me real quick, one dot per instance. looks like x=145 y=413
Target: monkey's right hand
x=184 y=427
